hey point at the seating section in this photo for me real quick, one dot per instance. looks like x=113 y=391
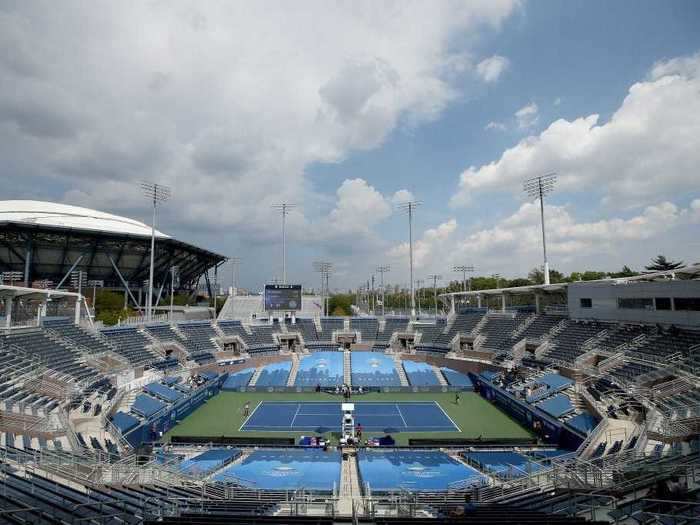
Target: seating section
x=66 y=329
x=463 y=323
x=391 y=326
x=567 y=345
x=429 y=332
x=542 y=325
x=420 y=374
x=328 y=326
x=198 y=342
x=131 y=344
x=367 y=326
x=57 y=356
x=307 y=327
x=499 y=331
x=207 y=462
x=235 y=328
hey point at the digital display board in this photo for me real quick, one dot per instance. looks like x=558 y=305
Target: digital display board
x=286 y=297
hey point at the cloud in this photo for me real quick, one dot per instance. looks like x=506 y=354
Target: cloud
x=527 y=116
x=557 y=101
x=569 y=241
x=498 y=126
x=648 y=150
x=228 y=103
x=402 y=196
x=490 y=69
x=359 y=206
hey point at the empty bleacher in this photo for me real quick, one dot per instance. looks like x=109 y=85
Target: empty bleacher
x=131 y=344
x=568 y=343
x=328 y=326
x=367 y=326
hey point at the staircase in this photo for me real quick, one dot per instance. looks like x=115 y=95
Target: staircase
x=254 y=379
x=347 y=368
x=349 y=491
x=293 y=372
x=400 y=370
x=440 y=376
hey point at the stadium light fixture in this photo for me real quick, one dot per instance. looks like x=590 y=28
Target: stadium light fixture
x=464 y=269
x=284 y=208
x=382 y=270
x=538 y=187
x=12 y=277
x=435 y=278
x=235 y=275
x=409 y=207
x=77 y=279
x=155 y=193
x=324 y=268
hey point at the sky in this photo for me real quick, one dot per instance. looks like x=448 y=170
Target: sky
x=347 y=110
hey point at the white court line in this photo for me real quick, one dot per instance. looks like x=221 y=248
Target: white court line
x=240 y=429
x=448 y=417
x=291 y=425
x=402 y=418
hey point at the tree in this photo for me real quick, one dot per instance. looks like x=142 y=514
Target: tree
x=660 y=264
x=625 y=272
x=536 y=275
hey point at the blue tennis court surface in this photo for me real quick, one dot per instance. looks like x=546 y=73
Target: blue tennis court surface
x=286 y=470
x=294 y=416
x=388 y=470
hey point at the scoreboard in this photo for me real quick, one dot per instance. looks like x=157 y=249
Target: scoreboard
x=283 y=297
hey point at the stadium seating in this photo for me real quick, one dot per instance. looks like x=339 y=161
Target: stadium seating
x=328 y=326
x=420 y=374
x=307 y=327
x=392 y=325
x=198 y=341
x=367 y=326
x=567 y=344
x=131 y=344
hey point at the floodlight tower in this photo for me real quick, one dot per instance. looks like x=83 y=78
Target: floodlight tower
x=284 y=209
x=324 y=268
x=409 y=207
x=464 y=269
x=382 y=270
x=155 y=193
x=435 y=278
x=538 y=187
x=235 y=273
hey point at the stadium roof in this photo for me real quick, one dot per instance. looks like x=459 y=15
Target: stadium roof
x=65 y=216
x=43 y=241
x=691 y=271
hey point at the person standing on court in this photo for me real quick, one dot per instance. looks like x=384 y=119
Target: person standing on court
x=246 y=409
x=457 y=398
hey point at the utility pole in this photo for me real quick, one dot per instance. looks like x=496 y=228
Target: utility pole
x=435 y=279
x=324 y=268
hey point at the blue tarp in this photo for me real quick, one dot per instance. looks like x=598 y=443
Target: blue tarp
x=209 y=376
x=209 y=461
x=420 y=374
x=555 y=381
x=146 y=406
x=124 y=422
x=170 y=380
x=239 y=379
x=557 y=406
x=163 y=392
x=275 y=374
x=455 y=378
x=585 y=422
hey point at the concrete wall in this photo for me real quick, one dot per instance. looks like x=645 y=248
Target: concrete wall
x=604 y=298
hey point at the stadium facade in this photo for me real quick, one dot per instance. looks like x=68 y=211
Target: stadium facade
x=44 y=241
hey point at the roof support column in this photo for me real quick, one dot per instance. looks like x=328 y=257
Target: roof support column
x=538 y=308
x=8 y=312
x=452 y=304
x=503 y=302
x=27 y=262
x=77 y=310
x=478 y=300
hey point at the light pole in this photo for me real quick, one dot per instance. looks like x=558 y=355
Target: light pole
x=155 y=193
x=419 y=285
x=409 y=207
x=284 y=209
x=382 y=270
x=235 y=266
x=464 y=269
x=538 y=187
x=77 y=279
x=324 y=268
x=435 y=279
x=95 y=283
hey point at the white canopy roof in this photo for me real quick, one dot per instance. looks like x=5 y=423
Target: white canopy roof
x=56 y=215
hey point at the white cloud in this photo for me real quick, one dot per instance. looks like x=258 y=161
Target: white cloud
x=527 y=116
x=229 y=103
x=359 y=207
x=557 y=101
x=402 y=196
x=514 y=244
x=648 y=150
x=490 y=69
x=498 y=126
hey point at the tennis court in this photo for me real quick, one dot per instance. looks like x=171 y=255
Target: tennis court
x=286 y=416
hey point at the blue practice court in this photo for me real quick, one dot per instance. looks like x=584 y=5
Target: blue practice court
x=295 y=416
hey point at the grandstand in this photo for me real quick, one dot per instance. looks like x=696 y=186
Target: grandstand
x=560 y=414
